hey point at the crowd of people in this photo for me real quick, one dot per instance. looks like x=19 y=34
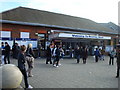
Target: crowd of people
x=54 y=54
x=23 y=54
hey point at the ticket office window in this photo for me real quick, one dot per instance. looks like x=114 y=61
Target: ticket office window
x=24 y=34
x=5 y=34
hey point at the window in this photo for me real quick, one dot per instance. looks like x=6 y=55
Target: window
x=5 y=34
x=24 y=34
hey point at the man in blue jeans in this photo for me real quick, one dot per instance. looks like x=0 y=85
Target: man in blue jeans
x=97 y=54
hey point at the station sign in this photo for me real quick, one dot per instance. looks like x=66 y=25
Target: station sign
x=90 y=36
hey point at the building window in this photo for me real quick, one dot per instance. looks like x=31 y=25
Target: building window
x=24 y=34
x=5 y=34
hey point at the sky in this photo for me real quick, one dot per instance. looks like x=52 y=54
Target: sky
x=100 y=11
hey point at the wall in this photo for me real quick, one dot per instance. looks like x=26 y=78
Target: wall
x=16 y=29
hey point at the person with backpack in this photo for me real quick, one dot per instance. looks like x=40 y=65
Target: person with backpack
x=30 y=59
x=102 y=54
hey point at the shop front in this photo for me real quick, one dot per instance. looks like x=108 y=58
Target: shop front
x=69 y=41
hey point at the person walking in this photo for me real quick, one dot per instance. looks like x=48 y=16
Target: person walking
x=112 y=56
x=97 y=54
x=102 y=54
x=21 y=65
x=77 y=54
x=57 y=56
x=53 y=49
x=30 y=59
x=118 y=61
x=7 y=53
x=61 y=53
x=84 y=54
x=48 y=55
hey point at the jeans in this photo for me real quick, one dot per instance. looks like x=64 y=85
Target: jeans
x=56 y=60
x=111 y=59
x=78 y=58
x=7 y=56
x=25 y=77
x=96 y=58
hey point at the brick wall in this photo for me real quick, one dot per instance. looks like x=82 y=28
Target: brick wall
x=16 y=29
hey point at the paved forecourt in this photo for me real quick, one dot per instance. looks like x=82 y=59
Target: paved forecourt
x=73 y=75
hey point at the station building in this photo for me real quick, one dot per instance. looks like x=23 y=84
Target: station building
x=26 y=25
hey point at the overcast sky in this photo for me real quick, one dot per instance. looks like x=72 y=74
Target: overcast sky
x=100 y=11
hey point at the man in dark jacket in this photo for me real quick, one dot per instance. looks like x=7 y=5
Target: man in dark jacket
x=118 y=61
x=77 y=54
x=49 y=55
x=84 y=54
x=57 y=56
x=7 y=53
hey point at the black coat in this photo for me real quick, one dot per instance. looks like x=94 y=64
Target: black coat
x=48 y=53
x=21 y=61
x=77 y=52
x=7 y=50
x=84 y=53
x=57 y=52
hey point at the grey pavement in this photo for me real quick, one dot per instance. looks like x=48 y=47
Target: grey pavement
x=73 y=75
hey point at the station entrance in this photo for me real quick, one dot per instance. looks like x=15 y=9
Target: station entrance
x=69 y=45
x=70 y=41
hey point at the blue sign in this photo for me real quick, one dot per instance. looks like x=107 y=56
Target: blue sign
x=26 y=39
x=6 y=38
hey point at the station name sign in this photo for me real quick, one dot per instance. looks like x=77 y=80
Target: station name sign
x=83 y=36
